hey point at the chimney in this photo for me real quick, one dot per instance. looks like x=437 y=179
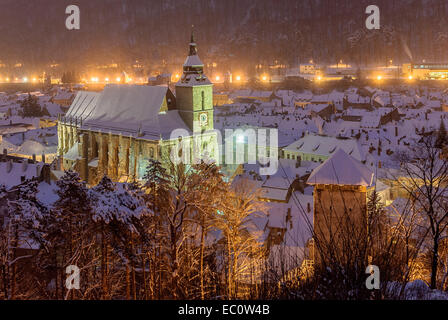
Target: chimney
x=43 y=157
x=9 y=166
x=379 y=164
x=34 y=157
x=396 y=131
x=308 y=207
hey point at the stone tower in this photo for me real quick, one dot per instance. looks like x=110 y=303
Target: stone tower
x=194 y=93
x=340 y=207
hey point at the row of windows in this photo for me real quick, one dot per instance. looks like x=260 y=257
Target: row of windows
x=303 y=157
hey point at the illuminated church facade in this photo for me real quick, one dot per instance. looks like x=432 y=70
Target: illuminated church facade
x=115 y=132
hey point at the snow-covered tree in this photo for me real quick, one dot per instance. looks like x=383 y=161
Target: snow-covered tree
x=117 y=211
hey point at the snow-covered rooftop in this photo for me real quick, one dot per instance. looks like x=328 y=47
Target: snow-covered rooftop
x=127 y=109
x=342 y=169
x=325 y=146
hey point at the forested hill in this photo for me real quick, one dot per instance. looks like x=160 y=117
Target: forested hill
x=34 y=32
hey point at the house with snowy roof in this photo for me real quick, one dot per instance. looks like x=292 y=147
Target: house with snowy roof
x=13 y=173
x=64 y=98
x=116 y=131
x=318 y=148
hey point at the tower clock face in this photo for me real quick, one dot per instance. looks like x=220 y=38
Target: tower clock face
x=203 y=119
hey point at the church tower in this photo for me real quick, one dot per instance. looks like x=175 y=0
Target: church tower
x=194 y=93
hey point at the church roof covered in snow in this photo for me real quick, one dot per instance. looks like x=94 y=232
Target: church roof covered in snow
x=82 y=105
x=342 y=169
x=126 y=109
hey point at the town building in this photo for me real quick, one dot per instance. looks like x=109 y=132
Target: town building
x=318 y=148
x=426 y=70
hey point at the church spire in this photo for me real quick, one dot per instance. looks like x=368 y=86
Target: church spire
x=193 y=49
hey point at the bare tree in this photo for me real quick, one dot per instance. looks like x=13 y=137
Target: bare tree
x=241 y=242
x=424 y=177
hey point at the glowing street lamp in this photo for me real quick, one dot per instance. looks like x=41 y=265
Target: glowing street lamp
x=264 y=78
x=410 y=77
x=238 y=78
x=118 y=79
x=379 y=78
x=107 y=79
x=25 y=79
x=217 y=78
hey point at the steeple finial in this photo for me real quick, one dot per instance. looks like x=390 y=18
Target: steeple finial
x=193 y=49
x=192 y=34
